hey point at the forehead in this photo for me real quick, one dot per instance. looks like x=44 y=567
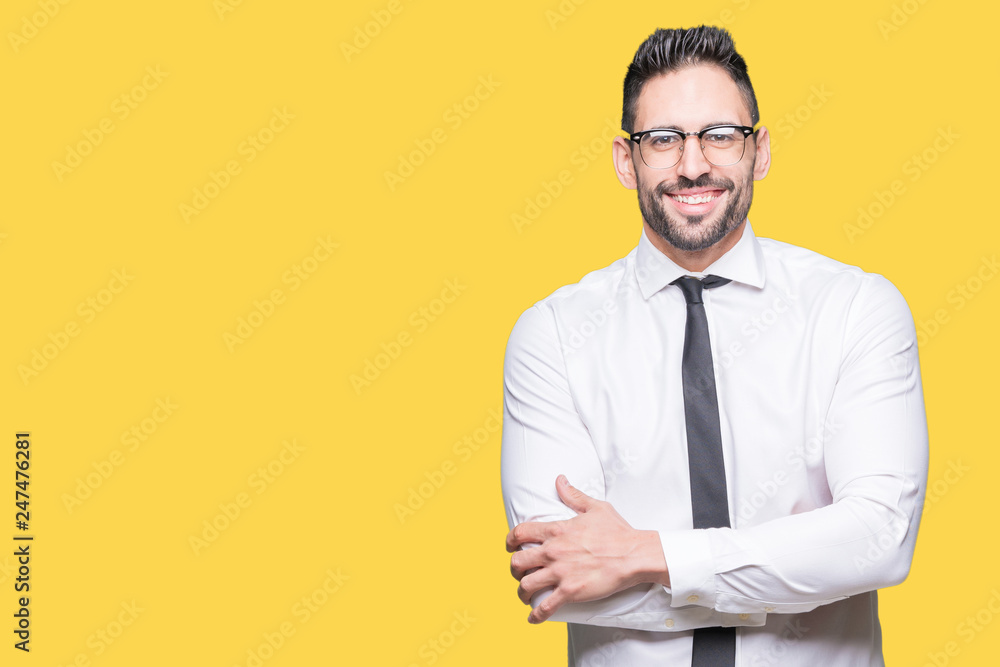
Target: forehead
x=690 y=99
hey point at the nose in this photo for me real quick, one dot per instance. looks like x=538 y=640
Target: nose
x=693 y=163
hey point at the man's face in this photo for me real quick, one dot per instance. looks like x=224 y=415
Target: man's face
x=694 y=204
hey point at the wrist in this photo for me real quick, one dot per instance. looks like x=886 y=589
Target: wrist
x=651 y=564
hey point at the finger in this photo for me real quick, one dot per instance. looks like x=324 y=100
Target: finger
x=522 y=562
x=537 y=580
x=526 y=533
x=547 y=607
x=572 y=497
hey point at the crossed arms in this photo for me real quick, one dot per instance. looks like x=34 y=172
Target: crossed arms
x=578 y=560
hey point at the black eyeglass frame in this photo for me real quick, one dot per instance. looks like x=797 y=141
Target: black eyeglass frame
x=747 y=131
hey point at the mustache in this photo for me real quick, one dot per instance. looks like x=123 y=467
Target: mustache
x=703 y=181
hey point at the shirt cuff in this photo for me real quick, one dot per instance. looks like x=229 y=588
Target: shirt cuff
x=691 y=567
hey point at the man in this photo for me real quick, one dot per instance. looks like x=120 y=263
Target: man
x=714 y=449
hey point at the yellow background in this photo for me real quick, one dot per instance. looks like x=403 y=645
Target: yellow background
x=893 y=76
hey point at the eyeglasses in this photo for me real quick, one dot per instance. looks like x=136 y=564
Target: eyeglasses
x=722 y=145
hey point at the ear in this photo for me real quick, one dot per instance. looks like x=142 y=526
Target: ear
x=763 y=162
x=621 y=153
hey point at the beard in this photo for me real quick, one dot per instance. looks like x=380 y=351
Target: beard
x=694 y=232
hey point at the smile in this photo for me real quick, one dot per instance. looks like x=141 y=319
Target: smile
x=696 y=201
x=693 y=199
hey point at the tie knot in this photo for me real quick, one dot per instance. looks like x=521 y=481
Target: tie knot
x=691 y=287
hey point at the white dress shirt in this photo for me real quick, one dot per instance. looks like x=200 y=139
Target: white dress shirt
x=823 y=433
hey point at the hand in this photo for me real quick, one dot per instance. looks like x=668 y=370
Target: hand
x=589 y=557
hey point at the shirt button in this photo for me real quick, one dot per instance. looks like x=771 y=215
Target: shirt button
x=692 y=598
x=744 y=617
x=768 y=609
x=669 y=623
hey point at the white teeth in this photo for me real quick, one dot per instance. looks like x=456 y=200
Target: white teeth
x=698 y=199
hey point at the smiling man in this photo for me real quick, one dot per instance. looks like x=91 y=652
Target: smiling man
x=714 y=449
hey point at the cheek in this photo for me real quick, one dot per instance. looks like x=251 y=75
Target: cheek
x=647 y=188
x=743 y=179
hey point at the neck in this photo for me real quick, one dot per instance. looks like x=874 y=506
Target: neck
x=695 y=260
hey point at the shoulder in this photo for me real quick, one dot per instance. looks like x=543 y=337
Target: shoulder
x=806 y=269
x=593 y=290
x=538 y=328
x=862 y=305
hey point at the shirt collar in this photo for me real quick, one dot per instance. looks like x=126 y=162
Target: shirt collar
x=743 y=263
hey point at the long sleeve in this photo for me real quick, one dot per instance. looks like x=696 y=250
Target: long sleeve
x=544 y=436
x=875 y=456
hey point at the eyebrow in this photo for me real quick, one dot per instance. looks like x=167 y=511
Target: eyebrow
x=677 y=128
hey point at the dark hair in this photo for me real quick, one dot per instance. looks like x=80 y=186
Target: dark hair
x=668 y=51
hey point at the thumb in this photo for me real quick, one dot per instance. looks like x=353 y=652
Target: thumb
x=573 y=497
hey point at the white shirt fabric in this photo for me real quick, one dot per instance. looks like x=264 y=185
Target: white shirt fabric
x=823 y=432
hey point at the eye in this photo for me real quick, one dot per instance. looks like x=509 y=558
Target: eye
x=720 y=136
x=663 y=139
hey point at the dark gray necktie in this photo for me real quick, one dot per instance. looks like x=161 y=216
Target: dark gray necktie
x=713 y=647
